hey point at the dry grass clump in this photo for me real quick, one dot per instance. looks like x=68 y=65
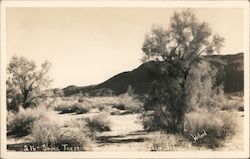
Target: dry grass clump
x=228 y=102
x=151 y=122
x=119 y=106
x=96 y=101
x=215 y=125
x=49 y=134
x=81 y=100
x=77 y=108
x=20 y=123
x=117 y=112
x=98 y=123
x=90 y=126
x=102 y=107
x=125 y=102
x=168 y=142
x=129 y=103
x=81 y=125
x=100 y=103
x=233 y=106
x=233 y=103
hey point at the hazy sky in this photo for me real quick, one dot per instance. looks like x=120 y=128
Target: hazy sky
x=89 y=45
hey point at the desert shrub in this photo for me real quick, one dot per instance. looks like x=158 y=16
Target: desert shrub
x=98 y=123
x=95 y=102
x=53 y=102
x=233 y=106
x=240 y=107
x=20 y=123
x=168 y=142
x=81 y=109
x=233 y=103
x=215 y=125
x=50 y=134
x=80 y=100
x=83 y=99
x=130 y=104
x=149 y=123
x=80 y=124
x=63 y=108
x=120 y=106
x=78 y=108
x=102 y=107
x=152 y=121
x=117 y=112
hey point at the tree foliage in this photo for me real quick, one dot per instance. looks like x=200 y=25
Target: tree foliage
x=25 y=82
x=181 y=48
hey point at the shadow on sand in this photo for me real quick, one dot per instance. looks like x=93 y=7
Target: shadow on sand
x=137 y=136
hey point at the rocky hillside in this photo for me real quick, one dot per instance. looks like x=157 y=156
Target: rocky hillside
x=230 y=73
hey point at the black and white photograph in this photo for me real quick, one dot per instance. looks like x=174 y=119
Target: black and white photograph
x=127 y=77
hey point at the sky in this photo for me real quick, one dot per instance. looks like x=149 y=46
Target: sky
x=90 y=45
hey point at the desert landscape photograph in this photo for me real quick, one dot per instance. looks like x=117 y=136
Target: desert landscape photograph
x=142 y=79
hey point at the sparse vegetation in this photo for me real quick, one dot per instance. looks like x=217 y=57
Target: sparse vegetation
x=151 y=122
x=117 y=112
x=232 y=103
x=50 y=134
x=130 y=104
x=98 y=123
x=78 y=108
x=20 y=123
x=168 y=142
x=216 y=125
x=102 y=107
x=120 y=106
x=182 y=101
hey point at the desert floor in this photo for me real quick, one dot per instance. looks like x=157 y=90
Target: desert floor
x=127 y=134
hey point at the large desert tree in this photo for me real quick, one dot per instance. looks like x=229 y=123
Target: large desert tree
x=25 y=82
x=181 y=47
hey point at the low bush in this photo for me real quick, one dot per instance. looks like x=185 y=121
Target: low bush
x=98 y=123
x=228 y=102
x=233 y=103
x=130 y=104
x=102 y=107
x=214 y=126
x=20 y=123
x=168 y=142
x=81 y=100
x=240 y=107
x=117 y=112
x=233 y=106
x=80 y=124
x=153 y=120
x=77 y=108
x=48 y=134
x=81 y=109
x=119 y=106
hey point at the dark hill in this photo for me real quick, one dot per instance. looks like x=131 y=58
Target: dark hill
x=230 y=73
x=139 y=79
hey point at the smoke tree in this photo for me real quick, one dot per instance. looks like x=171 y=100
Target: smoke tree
x=25 y=82
x=181 y=47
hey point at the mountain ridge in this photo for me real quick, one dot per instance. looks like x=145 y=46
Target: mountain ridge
x=230 y=67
